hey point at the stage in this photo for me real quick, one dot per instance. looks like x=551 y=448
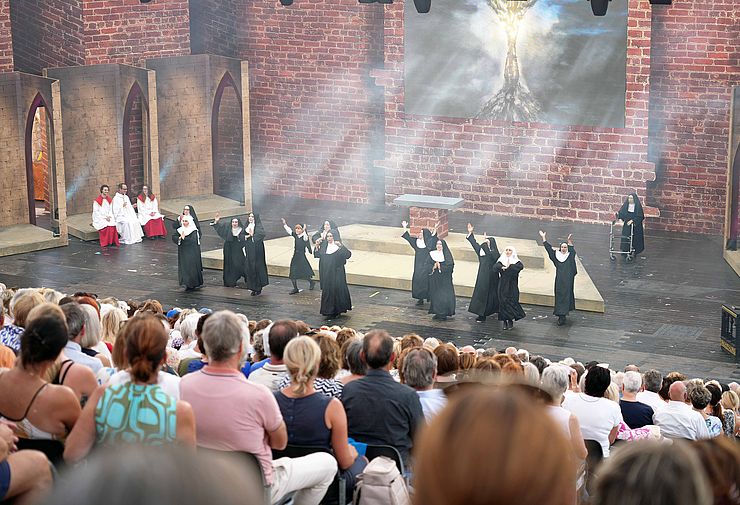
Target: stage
x=660 y=311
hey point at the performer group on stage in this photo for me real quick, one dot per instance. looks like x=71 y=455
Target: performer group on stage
x=120 y=221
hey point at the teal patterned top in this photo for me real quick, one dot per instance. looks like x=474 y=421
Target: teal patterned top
x=135 y=414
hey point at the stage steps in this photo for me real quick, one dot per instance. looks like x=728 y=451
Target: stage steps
x=378 y=261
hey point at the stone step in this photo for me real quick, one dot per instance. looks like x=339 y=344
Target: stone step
x=23 y=238
x=206 y=206
x=80 y=226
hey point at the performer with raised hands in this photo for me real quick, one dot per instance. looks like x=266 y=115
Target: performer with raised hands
x=508 y=267
x=564 y=259
x=300 y=268
x=484 y=301
x=421 y=246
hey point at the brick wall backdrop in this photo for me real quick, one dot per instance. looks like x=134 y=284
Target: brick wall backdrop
x=228 y=163
x=313 y=105
x=215 y=26
x=6 y=39
x=134 y=131
x=47 y=33
x=695 y=63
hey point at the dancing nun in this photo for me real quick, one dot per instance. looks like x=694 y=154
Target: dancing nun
x=632 y=216
x=420 y=278
x=233 y=235
x=564 y=259
x=441 y=290
x=300 y=268
x=509 y=266
x=254 y=247
x=189 y=266
x=484 y=301
x=332 y=257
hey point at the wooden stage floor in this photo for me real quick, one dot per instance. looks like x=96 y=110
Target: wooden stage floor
x=662 y=310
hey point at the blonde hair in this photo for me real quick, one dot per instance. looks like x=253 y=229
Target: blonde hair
x=730 y=401
x=612 y=392
x=112 y=322
x=301 y=357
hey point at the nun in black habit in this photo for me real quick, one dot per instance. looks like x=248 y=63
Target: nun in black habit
x=254 y=248
x=325 y=228
x=484 y=301
x=508 y=267
x=564 y=259
x=441 y=290
x=332 y=255
x=632 y=216
x=300 y=268
x=233 y=235
x=421 y=246
x=189 y=265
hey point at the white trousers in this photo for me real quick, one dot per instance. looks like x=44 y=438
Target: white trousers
x=308 y=477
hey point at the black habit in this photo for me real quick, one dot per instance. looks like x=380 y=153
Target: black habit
x=254 y=247
x=565 y=275
x=189 y=265
x=300 y=268
x=509 y=308
x=637 y=216
x=332 y=227
x=335 y=298
x=441 y=288
x=420 y=278
x=235 y=265
x=484 y=301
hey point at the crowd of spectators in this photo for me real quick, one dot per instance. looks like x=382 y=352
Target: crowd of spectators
x=82 y=378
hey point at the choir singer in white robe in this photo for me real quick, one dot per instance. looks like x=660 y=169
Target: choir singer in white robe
x=149 y=217
x=102 y=218
x=127 y=222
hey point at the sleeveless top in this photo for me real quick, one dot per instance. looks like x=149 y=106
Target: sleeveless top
x=25 y=428
x=304 y=419
x=135 y=413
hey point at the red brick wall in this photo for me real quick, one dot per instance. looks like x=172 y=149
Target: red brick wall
x=46 y=33
x=228 y=161
x=134 y=171
x=127 y=31
x=6 y=40
x=215 y=26
x=312 y=105
x=695 y=62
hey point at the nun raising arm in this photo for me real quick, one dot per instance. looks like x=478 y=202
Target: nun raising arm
x=420 y=278
x=233 y=235
x=484 y=301
x=509 y=266
x=300 y=268
x=564 y=259
x=332 y=255
x=441 y=288
x=254 y=248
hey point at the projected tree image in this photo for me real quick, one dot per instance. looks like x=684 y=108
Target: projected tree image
x=514 y=101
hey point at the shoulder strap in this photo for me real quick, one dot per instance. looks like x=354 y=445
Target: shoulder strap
x=63 y=371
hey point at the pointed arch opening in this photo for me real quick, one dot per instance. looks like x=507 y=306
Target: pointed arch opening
x=135 y=140
x=38 y=159
x=227 y=146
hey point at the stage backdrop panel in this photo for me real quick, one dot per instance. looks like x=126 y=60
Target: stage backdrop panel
x=545 y=61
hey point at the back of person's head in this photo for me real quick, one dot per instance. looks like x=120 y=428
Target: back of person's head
x=377 y=349
x=419 y=368
x=22 y=303
x=281 y=332
x=93 y=328
x=447 y=358
x=539 y=362
x=632 y=368
x=262 y=324
x=162 y=475
x=653 y=473
x=330 y=356
x=714 y=401
x=652 y=379
x=523 y=355
x=720 y=458
x=730 y=401
x=411 y=340
x=466 y=360
x=598 y=379
x=145 y=346
x=118 y=354
x=222 y=336
x=111 y=323
x=301 y=357
x=523 y=449
x=580 y=370
x=353 y=357
x=201 y=322
x=556 y=379
x=151 y=306
x=486 y=368
x=612 y=392
x=345 y=335
x=51 y=295
x=632 y=381
x=188 y=325
x=699 y=396
x=531 y=374
x=44 y=336
x=431 y=343
x=75 y=318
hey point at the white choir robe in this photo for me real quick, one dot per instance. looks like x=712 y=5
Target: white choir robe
x=102 y=214
x=126 y=221
x=146 y=208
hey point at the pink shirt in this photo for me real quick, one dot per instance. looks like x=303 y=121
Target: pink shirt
x=231 y=413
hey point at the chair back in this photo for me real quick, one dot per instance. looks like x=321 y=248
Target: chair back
x=593 y=459
x=373 y=451
x=250 y=460
x=54 y=449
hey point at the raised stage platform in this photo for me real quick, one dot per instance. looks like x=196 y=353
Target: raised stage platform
x=206 y=206
x=23 y=238
x=381 y=258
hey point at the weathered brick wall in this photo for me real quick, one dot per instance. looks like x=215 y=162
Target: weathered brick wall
x=127 y=31
x=215 y=26
x=695 y=62
x=47 y=33
x=312 y=103
x=134 y=139
x=13 y=190
x=6 y=39
x=228 y=163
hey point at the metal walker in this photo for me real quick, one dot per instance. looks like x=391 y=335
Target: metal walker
x=612 y=251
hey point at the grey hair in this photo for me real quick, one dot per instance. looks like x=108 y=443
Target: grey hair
x=352 y=356
x=419 y=367
x=632 y=382
x=93 y=328
x=188 y=326
x=75 y=318
x=18 y=295
x=222 y=335
x=653 y=380
x=556 y=379
x=531 y=373
x=523 y=355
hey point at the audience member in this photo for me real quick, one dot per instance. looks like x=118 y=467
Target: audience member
x=419 y=372
x=279 y=334
x=112 y=321
x=678 y=419
x=720 y=457
x=235 y=414
x=555 y=380
x=699 y=396
x=324 y=383
x=23 y=301
x=25 y=476
x=731 y=403
x=380 y=410
x=634 y=413
x=651 y=381
x=715 y=409
x=356 y=367
x=91 y=342
x=75 y=318
x=138 y=411
x=447 y=364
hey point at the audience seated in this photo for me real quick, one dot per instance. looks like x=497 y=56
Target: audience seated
x=278 y=336
x=419 y=372
x=23 y=301
x=39 y=410
x=380 y=410
x=651 y=382
x=356 y=368
x=635 y=413
x=76 y=325
x=25 y=476
x=325 y=382
x=731 y=403
x=678 y=419
x=555 y=380
x=447 y=363
x=138 y=411
x=91 y=342
x=235 y=414
x=720 y=458
x=699 y=396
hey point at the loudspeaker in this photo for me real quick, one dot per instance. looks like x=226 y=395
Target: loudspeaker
x=598 y=7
